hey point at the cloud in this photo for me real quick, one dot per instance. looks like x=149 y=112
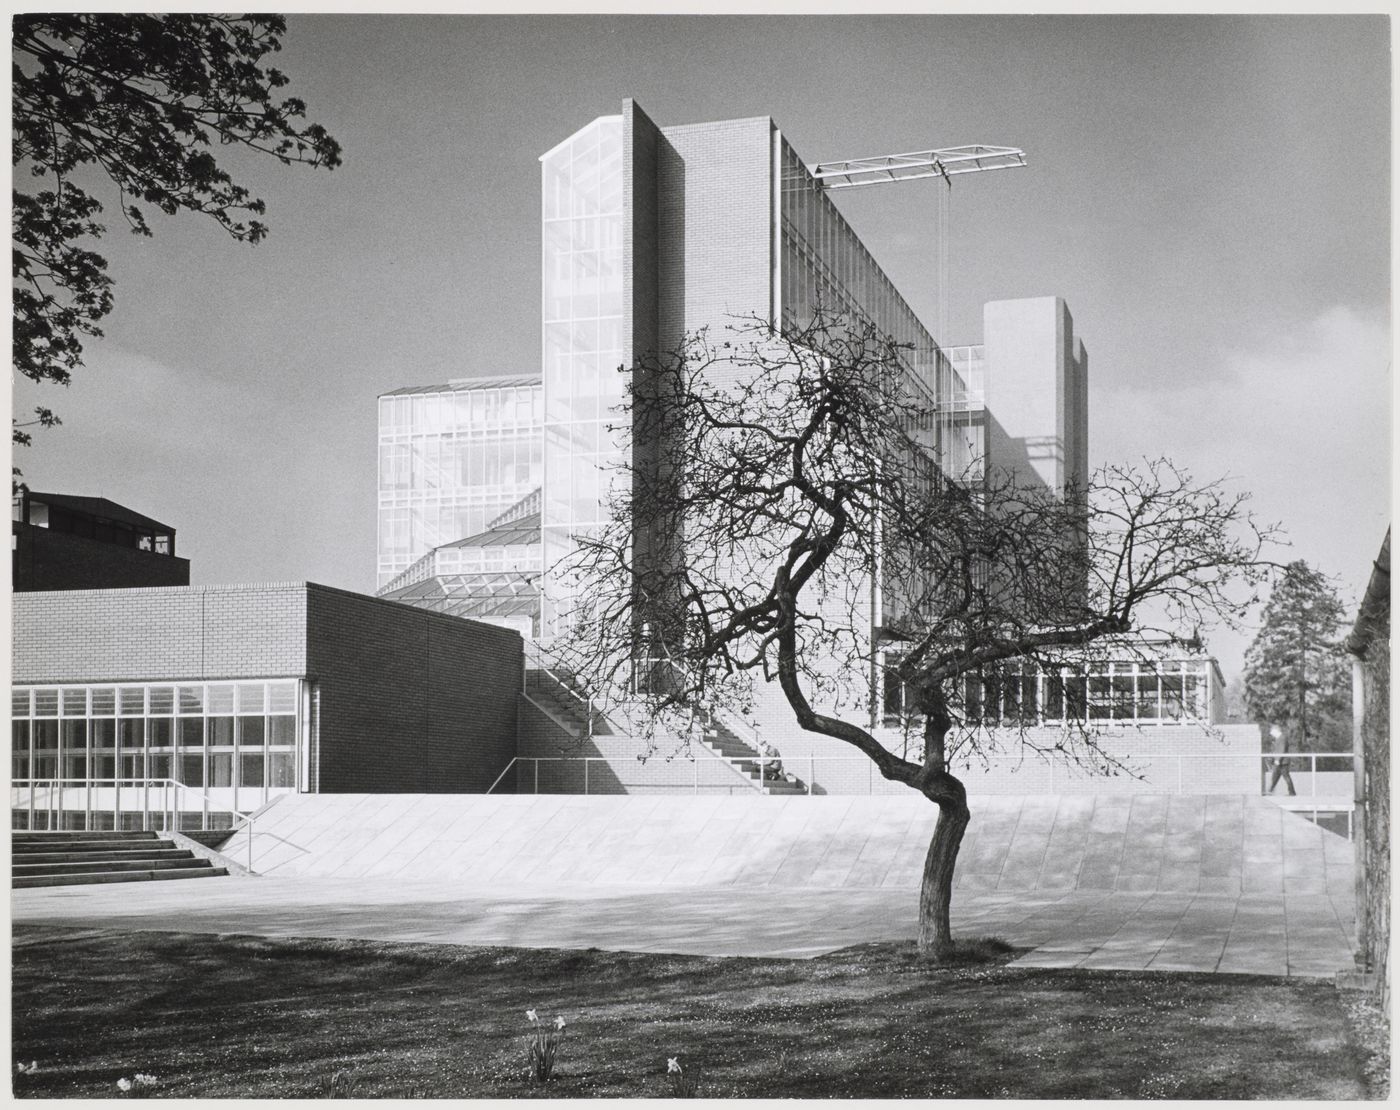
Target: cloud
x=1301 y=420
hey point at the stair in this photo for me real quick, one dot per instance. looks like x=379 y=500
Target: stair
x=83 y=858
x=724 y=742
x=566 y=700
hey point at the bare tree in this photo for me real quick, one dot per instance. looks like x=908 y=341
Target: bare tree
x=776 y=483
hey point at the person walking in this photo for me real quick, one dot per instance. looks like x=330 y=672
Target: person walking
x=1281 y=767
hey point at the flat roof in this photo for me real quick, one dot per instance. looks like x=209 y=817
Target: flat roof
x=100 y=507
x=461 y=385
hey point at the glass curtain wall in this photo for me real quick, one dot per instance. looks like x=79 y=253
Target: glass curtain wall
x=450 y=461
x=236 y=741
x=584 y=350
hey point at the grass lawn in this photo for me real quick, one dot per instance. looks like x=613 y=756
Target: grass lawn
x=241 y=1017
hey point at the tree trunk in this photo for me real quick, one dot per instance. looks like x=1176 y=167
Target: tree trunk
x=936 y=891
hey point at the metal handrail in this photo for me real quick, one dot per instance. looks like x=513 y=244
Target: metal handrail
x=535 y=660
x=732 y=764
x=538 y=664
x=61 y=785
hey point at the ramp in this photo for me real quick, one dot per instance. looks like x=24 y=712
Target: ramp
x=1217 y=844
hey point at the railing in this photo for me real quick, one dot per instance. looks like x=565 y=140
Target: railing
x=1166 y=773
x=614 y=782
x=156 y=798
x=535 y=662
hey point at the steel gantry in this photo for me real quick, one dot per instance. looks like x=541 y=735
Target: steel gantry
x=945 y=163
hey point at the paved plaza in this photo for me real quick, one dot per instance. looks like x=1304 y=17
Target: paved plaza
x=1215 y=883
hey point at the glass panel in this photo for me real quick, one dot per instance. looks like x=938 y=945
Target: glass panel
x=250 y=769
x=192 y=769
x=281 y=697
x=133 y=734
x=220 y=768
x=75 y=765
x=220 y=732
x=132 y=701
x=104 y=701
x=1171 y=697
x=191 y=699
x=46 y=703
x=104 y=733
x=75 y=702
x=282 y=769
x=133 y=766
x=282 y=731
x=75 y=736
x=252 y=731
x=162 y=699
x=1122 y=697
x=19 y=736
x=104 y=766
x=252 y=697
x=160 y=732
x=220 y=698
x=45 y=736
x=160 y=765
x=191 y=732
x=19 y=702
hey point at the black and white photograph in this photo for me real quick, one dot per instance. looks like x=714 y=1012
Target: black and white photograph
x=712 y=552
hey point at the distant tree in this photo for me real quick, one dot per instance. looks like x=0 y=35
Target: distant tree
x=769 y=475
x=141 y=100
x=1296 y=673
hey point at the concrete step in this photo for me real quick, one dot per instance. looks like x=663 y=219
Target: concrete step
x=85 y=867
x=82 y=844
x=117 y=877
x=74 y=854
x=38 y=836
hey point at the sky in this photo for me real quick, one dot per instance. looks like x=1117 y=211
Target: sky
x=1210 y=195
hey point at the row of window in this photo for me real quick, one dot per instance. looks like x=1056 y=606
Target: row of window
x=448 y=464
x=466 y=410
x=1171 y=691
x=821 y=249
x=215 y=698
x=274 y=769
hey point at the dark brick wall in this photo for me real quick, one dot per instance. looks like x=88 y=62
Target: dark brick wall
x=49 y=560
x=411 y=701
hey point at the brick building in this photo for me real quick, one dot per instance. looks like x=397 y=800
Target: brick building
x=63 y=542
x=243 y=692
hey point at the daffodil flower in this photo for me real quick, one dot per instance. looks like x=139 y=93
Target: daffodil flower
x=559 y=1023
x=532 y=1015
x=673 y=1066
x=123 y=1084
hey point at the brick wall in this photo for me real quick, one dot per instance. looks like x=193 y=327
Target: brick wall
x=715 y=223
x=139 y=635
x=411 y=701
x=45 y=559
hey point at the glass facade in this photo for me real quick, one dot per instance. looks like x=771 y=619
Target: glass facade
x=1173 y=691
x=237 y=742
x=583 y=215
x=451 y=459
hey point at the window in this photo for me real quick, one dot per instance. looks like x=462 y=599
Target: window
x=210 y=736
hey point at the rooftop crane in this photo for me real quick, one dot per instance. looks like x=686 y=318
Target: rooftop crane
x=945 y=163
